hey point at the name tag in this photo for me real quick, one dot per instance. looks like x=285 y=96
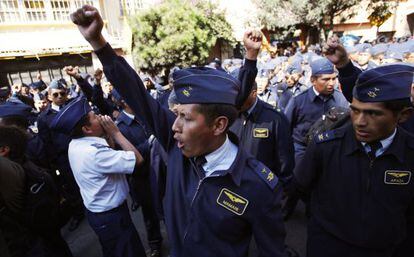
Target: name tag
x=232 y=201
x=261 y=133
x=396 y=177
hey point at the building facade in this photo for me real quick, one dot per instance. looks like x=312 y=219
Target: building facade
x=37 y=36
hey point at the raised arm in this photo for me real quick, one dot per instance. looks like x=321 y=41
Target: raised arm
x=123 y=77
x=348 y=73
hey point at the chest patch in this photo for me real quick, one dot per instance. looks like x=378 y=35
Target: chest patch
x=396 y=177
x=261 y=133
x=232 y=201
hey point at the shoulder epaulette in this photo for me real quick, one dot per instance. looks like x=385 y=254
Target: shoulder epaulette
x=99 y=146
x=266 y=175
x=327 y=136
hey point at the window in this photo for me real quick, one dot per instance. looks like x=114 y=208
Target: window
x=61 y=10
x=35 y=10
x=9 y=11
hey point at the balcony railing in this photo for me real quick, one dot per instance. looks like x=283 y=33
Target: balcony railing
x=39 y=11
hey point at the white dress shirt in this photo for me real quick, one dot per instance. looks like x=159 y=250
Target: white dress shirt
x=100 y=172
x=221 y=159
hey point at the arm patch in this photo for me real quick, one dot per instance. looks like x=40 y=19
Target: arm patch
x=267 y=176
x=99 y=146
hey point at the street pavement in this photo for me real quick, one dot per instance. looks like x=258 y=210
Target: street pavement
x=84 y=243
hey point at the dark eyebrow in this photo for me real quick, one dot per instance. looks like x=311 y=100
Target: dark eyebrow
x=366 y=110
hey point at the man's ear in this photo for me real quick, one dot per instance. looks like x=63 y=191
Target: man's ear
x=4 y=151
x=220 y=125
x=405 y=114
x=86 y=130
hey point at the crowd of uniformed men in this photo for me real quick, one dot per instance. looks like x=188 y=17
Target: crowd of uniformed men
x=214 y=151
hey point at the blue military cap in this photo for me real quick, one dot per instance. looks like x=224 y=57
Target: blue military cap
x=364 y=47
x=350 y=49
x=67 y=118
x=384 y=83
x=379 y=49
x=57 y=84
x=322 y=66
x=39 y=96
x=294 y=67
x=37 y=85
x=10 y=108
x=201 y=85
x=394 y=54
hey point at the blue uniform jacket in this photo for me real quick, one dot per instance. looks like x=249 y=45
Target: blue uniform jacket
x=214 y=216
x=265 y=134
x=134 y=131
x=55 y=143
x=306 y=108
x=360 y=202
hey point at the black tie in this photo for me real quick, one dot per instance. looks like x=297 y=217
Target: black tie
x=374 y=147
x=199 y=162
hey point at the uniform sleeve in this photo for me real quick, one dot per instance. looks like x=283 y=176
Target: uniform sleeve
x=247 y=76
x=290 y=113
x=129 y=85
x=306 y=172
x=112 y=161
x=348 y=76
x=285 y=150
x=268 y=228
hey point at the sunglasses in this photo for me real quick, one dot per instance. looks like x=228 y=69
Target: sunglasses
x=62 y=94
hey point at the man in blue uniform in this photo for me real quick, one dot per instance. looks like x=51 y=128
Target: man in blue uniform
x=134 y=130
x=56 y=147
x=100 y=171
x=217 y=196
x=309 y=106
x=360 y=176
x=348 y=76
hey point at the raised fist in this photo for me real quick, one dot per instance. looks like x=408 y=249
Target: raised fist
x=335 y=52
x=72 y=71
x=252 y=40
x=90 y=25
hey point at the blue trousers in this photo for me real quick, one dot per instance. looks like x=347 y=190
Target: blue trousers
x=116 y=232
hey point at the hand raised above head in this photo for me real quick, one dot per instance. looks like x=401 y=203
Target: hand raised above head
x=335 y=52
x=252 y=41
x=90 y=25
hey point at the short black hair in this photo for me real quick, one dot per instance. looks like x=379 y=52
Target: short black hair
x=212 y=111
x=77 y=130
x=16 y=139
x=398 y=105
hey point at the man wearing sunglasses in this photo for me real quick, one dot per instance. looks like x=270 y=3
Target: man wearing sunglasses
x=56 y=146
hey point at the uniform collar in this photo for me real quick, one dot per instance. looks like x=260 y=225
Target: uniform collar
x=395 y=148
x=125 y=118
x=99 y=140
x=235 y=171
x=55 y=107
x=385 y=143
x=313 y=94
x=250 y=110
x=255 y=112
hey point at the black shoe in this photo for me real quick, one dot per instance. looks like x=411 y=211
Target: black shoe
x=155 y=253
x=74 y=224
